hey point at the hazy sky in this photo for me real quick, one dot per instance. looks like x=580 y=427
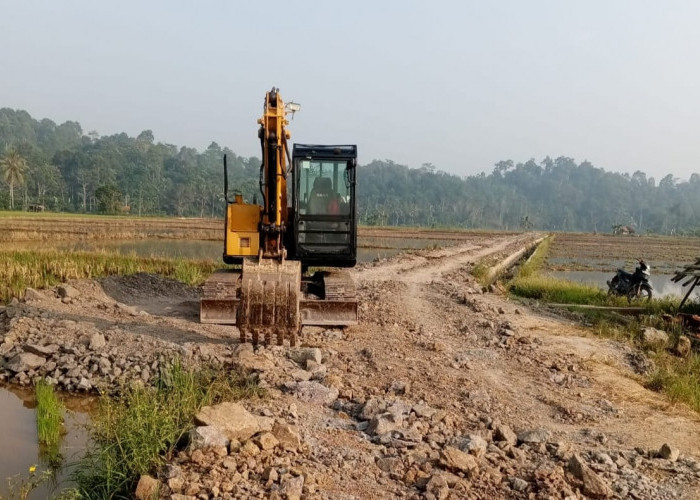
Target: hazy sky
x=460 y=84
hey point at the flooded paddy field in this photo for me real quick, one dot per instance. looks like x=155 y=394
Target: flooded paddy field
x=593 y=259
x=185 y=238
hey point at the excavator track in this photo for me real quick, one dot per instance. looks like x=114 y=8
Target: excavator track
x=219 y=304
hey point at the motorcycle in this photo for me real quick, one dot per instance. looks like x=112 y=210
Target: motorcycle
x=634 y=286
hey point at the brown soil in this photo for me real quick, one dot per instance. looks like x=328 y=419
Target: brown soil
x=427 y=328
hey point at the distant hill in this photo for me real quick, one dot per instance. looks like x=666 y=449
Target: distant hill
x=68 y=170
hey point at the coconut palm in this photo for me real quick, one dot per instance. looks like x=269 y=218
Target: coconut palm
x=13 y=167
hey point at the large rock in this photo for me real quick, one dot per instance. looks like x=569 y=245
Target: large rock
x=593 y=484
x=41 y=350
x=504 y=433
x=457 y=460
x=147 y=489
x=683 y=346
x=97 y=341
x=303 y=354
x=292 y=487
x=383 y=423
x=669 y=452
x=534 y=436
x=313 y=392
x=472 y=444
x=25 y=361
x=30 y=294
x=654 y=339
x=234 y=421
x=67 y=291
x=250 y=361
x=287 y=435
x=207 y=436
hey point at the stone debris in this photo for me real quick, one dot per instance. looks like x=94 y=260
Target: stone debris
x=233 y=420
x=398 y=408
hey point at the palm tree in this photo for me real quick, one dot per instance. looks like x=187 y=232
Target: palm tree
x=13 y=169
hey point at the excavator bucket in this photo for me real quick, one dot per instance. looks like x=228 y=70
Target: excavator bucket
x=269 y=301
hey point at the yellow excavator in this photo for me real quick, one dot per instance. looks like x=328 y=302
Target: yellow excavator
x=277 y=243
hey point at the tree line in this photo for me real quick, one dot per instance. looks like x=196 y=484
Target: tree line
x=61 y=168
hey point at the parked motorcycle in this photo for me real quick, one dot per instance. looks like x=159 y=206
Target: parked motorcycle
x=634 y=286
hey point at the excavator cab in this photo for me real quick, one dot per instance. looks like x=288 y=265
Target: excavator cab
x=323 y=231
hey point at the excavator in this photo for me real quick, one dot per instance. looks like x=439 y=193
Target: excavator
x=307 y=222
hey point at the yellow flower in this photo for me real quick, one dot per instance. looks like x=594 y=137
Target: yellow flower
x=32 y=469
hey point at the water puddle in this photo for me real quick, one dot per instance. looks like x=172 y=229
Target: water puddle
x=662 y=284
x=20 y=447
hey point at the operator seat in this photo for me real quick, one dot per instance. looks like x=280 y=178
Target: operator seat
x=321 y=194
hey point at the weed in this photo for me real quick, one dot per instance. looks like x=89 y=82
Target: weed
x=133 y=433
x=480 y=271
x=20 y=487
x=677 y=378
x=49 y=423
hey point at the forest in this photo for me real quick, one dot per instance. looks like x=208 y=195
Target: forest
x=62 y=168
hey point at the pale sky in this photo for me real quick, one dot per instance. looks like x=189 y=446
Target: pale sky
x=460 y=84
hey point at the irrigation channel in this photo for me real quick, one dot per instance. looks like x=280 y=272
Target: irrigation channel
x=21 y=450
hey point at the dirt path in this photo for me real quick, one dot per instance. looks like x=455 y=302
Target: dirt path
x=440 y=391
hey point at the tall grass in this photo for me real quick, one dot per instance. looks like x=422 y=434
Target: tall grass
x=679 y=379
x=134 y=433
x=49 y=422
x=38 y=269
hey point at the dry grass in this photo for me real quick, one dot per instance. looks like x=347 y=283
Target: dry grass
x=40 y=269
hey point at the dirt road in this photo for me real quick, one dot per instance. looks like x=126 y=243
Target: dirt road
x=440 y=391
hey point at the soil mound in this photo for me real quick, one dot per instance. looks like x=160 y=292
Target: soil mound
x=145 y=287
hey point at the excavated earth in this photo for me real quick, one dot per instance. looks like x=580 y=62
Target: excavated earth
x=442 y=390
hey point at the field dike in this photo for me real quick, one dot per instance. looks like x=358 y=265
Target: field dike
x=673 y=366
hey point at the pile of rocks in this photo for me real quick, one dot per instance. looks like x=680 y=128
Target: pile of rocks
x=234 y=453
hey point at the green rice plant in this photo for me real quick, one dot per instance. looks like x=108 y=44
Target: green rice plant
x=548 y=289
x=134 y=432
x=49 y=422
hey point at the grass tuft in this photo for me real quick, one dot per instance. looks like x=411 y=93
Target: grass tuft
x=49 y=422
x=678 y=379
x=134 y=433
